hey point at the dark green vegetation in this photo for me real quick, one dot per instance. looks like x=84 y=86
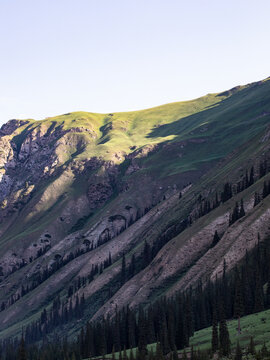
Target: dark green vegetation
x=107 y=216
x=255 y=326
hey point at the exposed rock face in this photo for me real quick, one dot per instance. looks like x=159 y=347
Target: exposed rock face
x=11 y=126
x=98 y=194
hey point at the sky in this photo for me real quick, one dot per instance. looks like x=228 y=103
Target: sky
x=59 y=56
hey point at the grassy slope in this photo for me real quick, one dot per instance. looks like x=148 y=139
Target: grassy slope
x=256 y=325
x=221 y=122
x=228 y=121
x=219 y=117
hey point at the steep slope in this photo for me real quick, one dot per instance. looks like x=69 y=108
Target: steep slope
x=79 y=188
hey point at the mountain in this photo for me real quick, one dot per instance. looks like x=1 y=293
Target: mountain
x=121 y=209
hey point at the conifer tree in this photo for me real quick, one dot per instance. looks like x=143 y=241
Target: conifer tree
x=192 y=355
x=142 y=336
x=246 y=180
x=238 y=297
x=116 y=332
x=251 y=347
x=159 y=353
x=188 y=318
x=151 y=354
x=171 y=328
x=175 y=354
x=110 y=259
x=146 y=254
x=251 y=176
x=265 y=190
x=163 y=333
x=238 y=352
x=123 y=270
x=259 y=302
x=215 y=331
x=125 y=357
x=242 y=210
x=132 y=267
x=216 y=239
x=256 y=199
x=235 y=214
x=264 y=351
x=22 y=351
x=224 y=337
x=184 y=356
x=263 y=168
x=131 y=328
x=268 y=291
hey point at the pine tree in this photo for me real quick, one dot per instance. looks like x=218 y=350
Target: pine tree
x=142 y=336
x=151 y=354
x=123 y=270
x=216 y=239
x=238 y=297
x=163 y=333
x=116 y=332
x=175 y=354
x=256 y=199
x=227 y=192
x=224 y=337
x=263 y=168
x=184 y=356
x=131 y=328
x=265 y=190
x=146 y=254
x=238 y=352
x=235 y=214
x=171 y=327
x=246 y=180
x=192 y=355
x=251 y=176
x=259 y=302
x=242 y=210
x=247 y=293
x=264 y=351
x=251 y=347
x=125 y=354
x=132 y=267
x=159 y=353
x=22 y=352
x=110 y=259
x=113 y=353
x=215 y=331
x=151 y=326
x=268 y=291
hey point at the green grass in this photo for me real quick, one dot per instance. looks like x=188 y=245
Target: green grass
x=109 y=356
x=256 y=325
x=220 y=117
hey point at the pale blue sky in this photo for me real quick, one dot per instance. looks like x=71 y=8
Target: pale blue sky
x=59 y=56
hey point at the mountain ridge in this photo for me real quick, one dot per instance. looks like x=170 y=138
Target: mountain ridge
x=99 y=184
